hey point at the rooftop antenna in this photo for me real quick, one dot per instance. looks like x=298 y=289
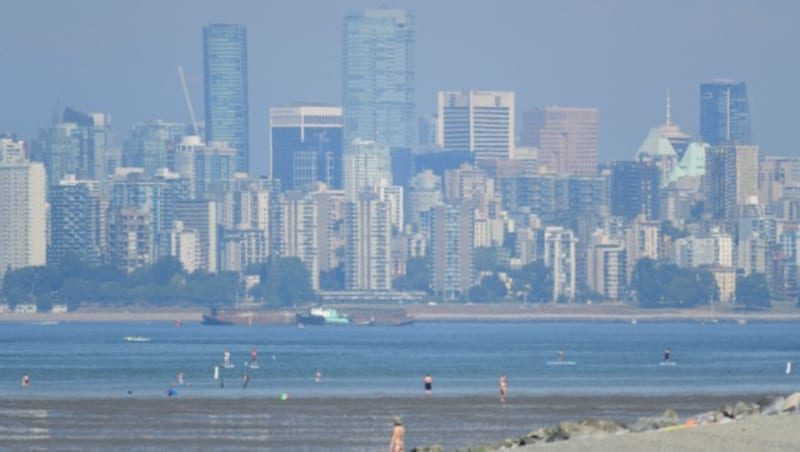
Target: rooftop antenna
x=669 y=114
x=188 y=100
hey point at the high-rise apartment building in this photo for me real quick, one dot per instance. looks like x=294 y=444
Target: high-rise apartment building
x=225 y=80
x=378 y=77
x=366 y=164
x=635 y=189
x=299 y=230
x=568 y=138
x=731 y=180
x=452 y=268
x=368 y=237
x=23 y=203
x=305 y=146
x=559 y=255
x=479 y=121
x=202 y=217
x=724 y=113
x=75 y=221
x=12 y=149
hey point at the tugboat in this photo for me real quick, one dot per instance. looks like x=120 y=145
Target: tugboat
x=322 y=316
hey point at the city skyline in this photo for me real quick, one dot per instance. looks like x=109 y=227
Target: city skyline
x=282 y=74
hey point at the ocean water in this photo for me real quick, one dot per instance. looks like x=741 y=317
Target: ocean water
x=89 y=359
x=81 y=375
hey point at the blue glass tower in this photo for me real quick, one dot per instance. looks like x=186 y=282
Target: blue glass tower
x=724 y=113
x=378 y=77
x=225 y=78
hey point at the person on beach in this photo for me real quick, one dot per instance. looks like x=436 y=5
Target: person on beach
x=172 y=392
x=503 y=388
x=667 y=353
x=26 y=381
x=428 y=382
x=398 y=436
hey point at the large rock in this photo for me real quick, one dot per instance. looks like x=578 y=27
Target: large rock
x=744 y=409
x=770 y=405
x=791 y=403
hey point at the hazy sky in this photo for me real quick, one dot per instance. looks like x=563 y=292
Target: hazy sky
x=619 y=55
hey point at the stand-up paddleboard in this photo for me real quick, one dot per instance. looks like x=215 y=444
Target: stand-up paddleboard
x=667 y=363
x=561 y=363
x=252 y=365
x=228 y=366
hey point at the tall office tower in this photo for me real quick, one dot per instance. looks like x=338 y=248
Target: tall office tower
x=149 y=144
x=202 y=217
x=13 y=150
x=305 y=146
x=75 y=221
x=559 y=255
x=568 y=138
x=23 y=203
x=225 y=82
x=378 y=77
x=366 y=163
x=607 y=267
x=724 y=113
x=479 y=121
x=59 y=148
x=731 y=180
x=451 y=242
x=95 y=155
x=635 y=189
x=368 y=237
x=426 y=192
x=299 y=230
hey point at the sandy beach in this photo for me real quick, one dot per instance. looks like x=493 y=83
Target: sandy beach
x=151 y=422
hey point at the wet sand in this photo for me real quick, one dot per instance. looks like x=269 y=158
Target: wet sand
x=310 y=424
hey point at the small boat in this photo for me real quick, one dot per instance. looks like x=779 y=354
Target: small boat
x=322 y=316
x=136 y=339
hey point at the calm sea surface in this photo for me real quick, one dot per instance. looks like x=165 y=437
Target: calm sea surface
x=370 y=374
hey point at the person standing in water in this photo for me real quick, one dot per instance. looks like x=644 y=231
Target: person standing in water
x=318 y=376
x=428 y=382
x=561 y=356
x=502 y=388
x=26 y=381
x=398 y=436
x=180 y=379
x=245 y=380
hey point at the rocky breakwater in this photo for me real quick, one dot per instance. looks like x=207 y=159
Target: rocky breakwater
x=589 y=429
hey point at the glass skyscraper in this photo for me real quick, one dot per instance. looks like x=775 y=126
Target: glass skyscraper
x=724 y=113
x=225 y=79
x=378 y=77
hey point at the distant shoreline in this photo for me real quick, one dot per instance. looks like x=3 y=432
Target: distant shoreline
x=451 y=313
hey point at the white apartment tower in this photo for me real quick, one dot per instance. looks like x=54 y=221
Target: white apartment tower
x=299 y=230
x=368 y=236
x=478 y=121
x=559 y=255
x=23 y=203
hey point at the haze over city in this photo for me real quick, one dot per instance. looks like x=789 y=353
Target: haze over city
x=121 y=58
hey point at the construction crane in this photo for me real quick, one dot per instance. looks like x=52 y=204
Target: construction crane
x=188 y=100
